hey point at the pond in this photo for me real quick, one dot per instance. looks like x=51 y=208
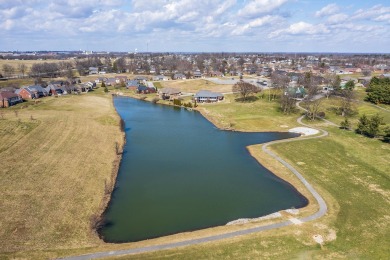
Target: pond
x=180 y=173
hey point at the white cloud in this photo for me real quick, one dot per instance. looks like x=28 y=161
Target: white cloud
x=337 y=18
x=63 y=22
x=256 y=7
x=383 y=18
x=301 y=28
x=372 y=13
x=327 y=10
x=256 y=23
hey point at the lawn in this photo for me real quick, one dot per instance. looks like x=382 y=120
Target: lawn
x=330 y=105
x=260 y=115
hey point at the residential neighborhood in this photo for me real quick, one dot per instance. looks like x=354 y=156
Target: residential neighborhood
x=137 y=72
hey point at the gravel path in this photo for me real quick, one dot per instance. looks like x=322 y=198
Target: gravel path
x=322 y=211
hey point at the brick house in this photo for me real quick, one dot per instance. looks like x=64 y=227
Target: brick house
x=8 y=99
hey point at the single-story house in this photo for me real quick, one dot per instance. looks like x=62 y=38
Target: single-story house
x=120 y=79
x=179 y=76
x=132 y=84
x=215 y=74
x=140 y=78
x=100 y=80
x=8 y=99
x=111 y=81
x=145 y=90
x=160 y=77
x=296 y=92
x=32 y=92
x=197 y=74
x=169 y=93
x=53 y=90
x=93 y=70
x=208 y=96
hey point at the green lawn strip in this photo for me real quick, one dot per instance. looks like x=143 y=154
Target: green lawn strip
x=329 y=106
x=355 y=170
x=260 y=115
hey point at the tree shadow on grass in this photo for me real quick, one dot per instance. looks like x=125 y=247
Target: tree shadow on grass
x=247 y=99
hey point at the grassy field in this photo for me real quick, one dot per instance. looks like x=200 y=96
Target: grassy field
x=261 y=115
x=16 y=63
x=65 y=151
x=56 y=160
x=330 y=105
x=194 y=86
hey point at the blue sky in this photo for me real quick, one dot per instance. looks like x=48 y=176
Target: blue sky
x=196 y=26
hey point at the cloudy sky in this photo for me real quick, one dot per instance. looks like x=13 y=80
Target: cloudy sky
x=196 y=25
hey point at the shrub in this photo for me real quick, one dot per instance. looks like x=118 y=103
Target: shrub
x=177 y=102
x=345 y=124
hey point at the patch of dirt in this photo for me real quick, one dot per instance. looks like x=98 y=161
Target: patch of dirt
x=319 y=239
x=331 y=235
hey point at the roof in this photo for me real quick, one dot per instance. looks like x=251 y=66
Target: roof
x=130 y=83
x=208 y=94
x=170 y=91
x=7 y=94
x=38 y=88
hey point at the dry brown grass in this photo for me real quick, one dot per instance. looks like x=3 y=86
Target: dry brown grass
x=194 y=85
x=56 y=157
x=28 y=63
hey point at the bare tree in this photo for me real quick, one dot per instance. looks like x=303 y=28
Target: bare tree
x=346 y=104
x=120 y=64
x=244 y=90
x=366 y=73
x=312 y=100
x=22 y=68
x=241 y=62
x=287 y=102
x=279 y=83
x=310 y=83
x=8 y=70
x=313 y=108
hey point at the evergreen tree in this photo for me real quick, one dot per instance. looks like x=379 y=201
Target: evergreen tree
x=362 y=127
x=373 y=127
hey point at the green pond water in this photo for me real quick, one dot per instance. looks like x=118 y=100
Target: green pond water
x=180 y=173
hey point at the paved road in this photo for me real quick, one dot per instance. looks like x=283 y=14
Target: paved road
x=322 y=211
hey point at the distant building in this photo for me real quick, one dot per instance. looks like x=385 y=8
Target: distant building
x=93 y=70
x=160 y=78
x=179 y=76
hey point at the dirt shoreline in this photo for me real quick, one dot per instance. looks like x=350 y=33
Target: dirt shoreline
x=109 y=187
